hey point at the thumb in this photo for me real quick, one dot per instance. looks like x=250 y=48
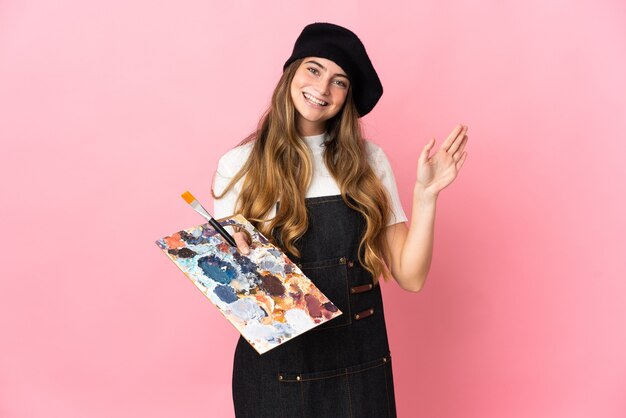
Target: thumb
x=426 y=150
x=242 y=240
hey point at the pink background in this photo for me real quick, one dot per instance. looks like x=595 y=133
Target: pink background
x=109 y=110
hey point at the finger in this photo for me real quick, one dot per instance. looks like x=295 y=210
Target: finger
x=242 y=242
x=458 y=140
x=426 y=150
x=245 y=236
x=459 y=163
x=459 y=150
x=450 y=139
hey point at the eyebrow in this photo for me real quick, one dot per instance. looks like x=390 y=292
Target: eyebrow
x=324 y=68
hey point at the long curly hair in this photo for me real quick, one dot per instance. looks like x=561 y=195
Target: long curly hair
x=280 y=168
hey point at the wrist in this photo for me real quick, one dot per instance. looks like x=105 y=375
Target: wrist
x=423 y=194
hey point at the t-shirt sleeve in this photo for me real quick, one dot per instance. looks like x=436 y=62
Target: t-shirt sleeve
x=228 y=166
x=382 y=167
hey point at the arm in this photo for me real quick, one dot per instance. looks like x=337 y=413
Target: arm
x=411 y=248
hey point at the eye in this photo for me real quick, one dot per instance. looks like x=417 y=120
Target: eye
x=313 y=70
x=341 y=83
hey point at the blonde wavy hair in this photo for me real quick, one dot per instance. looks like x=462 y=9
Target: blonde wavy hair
x=280 y=168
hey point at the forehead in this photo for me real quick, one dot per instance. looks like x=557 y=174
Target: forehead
x=326 y=64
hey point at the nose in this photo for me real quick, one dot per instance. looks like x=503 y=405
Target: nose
x=323 y=86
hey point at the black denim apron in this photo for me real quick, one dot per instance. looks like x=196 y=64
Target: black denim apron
x=341 y=368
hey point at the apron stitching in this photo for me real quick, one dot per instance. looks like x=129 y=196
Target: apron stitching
x=280 y=397
x=323 y=199
x=302 y=400
x=349 y=397
x=387 y=391
x=345 y=372
x=345 y=269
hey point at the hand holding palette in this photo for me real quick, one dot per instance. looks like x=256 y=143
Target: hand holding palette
x=263 y=294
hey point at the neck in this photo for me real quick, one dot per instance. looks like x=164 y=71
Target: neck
x=306 y=128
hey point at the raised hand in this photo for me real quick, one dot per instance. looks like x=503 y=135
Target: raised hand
x=436 y=172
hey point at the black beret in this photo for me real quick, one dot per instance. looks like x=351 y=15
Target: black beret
x=342 y=46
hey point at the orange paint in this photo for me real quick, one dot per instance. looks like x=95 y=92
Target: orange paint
x=174 y=241
x=279 y=315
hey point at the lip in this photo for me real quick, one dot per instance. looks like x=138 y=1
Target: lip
x=315 y=105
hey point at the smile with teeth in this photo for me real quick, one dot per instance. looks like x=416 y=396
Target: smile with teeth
x=314 y=100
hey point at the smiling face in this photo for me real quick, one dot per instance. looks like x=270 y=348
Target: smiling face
x=318 y=90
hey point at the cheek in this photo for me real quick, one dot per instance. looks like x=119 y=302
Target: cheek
x=294 y=91
x=340 y=98
x=298 y=80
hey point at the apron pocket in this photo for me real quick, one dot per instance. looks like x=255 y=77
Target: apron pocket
x=331 y=278
x=359 y=391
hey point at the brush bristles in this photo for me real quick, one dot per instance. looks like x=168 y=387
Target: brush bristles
x=188 y=197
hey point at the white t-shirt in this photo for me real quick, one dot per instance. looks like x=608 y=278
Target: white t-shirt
x=322 y=183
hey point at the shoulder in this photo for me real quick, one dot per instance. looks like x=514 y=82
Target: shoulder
x=376 y=157
x=232 y=161
x=371 y=148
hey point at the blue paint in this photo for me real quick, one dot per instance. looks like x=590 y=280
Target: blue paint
x=271 y=265
x=225 y=293
x=245 y=264
x=217 y=269
x=192 y=239
x=275 y=252
x=247 y=309
x=288 y=268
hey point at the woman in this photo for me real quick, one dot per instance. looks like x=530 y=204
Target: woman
x=307 y=179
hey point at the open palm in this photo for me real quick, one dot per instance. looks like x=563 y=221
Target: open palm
x=436 y=172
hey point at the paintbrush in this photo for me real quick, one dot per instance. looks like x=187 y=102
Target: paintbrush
x=193 y=202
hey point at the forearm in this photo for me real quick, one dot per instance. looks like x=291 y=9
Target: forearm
x=417 y=250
